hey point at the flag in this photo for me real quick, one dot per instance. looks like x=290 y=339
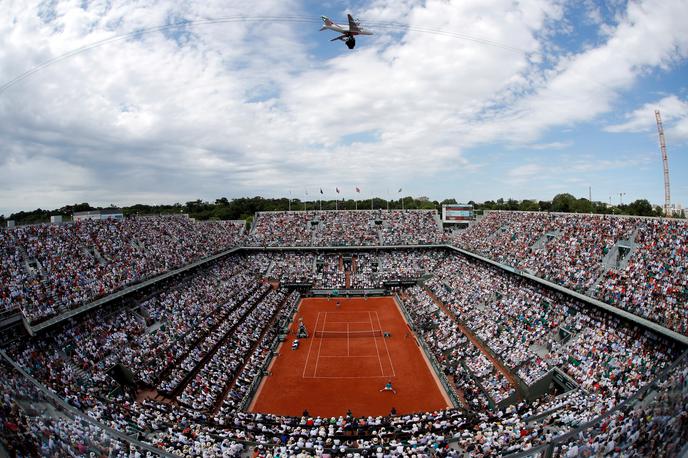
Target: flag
x=357 y=190
x=321 y=191
x=337 y=190
x=399 y=190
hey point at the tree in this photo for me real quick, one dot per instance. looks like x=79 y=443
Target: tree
x=582 y=205
x=529 y=206
x=563 y=203
x=640 y=207
x=545 y=206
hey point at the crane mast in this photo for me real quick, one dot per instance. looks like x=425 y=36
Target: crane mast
x=665 y=162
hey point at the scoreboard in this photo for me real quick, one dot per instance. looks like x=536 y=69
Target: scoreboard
x=457 y=213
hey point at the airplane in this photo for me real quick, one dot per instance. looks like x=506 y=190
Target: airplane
x=348 y=32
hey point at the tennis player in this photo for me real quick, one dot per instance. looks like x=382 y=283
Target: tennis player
x=388 y=387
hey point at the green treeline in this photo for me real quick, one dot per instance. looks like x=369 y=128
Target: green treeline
x=245 y=207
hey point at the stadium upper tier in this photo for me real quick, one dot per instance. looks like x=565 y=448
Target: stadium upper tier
x=346 y=228
x=636 y=264
x=47 y=269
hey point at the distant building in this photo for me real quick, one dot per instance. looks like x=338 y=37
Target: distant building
x=676 y=209
x=107 y=213
x=56 y=219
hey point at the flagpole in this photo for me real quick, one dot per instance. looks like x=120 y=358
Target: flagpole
x=290 y=200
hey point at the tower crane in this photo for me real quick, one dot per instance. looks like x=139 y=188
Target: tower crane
x=665 y=162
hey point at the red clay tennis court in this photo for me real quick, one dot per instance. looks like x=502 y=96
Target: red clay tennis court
x=347 y=360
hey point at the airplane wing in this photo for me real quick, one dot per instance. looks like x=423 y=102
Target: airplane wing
x=353 y=26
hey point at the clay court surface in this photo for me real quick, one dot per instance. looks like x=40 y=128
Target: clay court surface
x=347 y=368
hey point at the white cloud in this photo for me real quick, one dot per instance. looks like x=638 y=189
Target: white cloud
x=240 y=107
x=586 y=85
x=572 y=169
x=525 y=172
x=551 y=145
x=674 y=112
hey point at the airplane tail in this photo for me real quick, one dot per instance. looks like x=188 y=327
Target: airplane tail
x=327 y=22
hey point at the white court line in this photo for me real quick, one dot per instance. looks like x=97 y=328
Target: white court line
x=310 y=346
x=355 y=376
x=347 y=340
x=386 y=347
x=352 y=356
x=349 y=322
x=317 y=359
x=370 y=318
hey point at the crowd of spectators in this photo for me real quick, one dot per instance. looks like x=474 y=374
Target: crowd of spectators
x=499 y=311
x=654 y=426
x=473 y=374
x=366 y=269
x=32 y=425
x=608 y=359
x=204 y=391
x=50 y=268
x=200 y=344
x=654 y=283
x=282 y=229
x=346 y=228
x=572 y=250
x=207 y=345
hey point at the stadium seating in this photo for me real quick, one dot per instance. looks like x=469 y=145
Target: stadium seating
x=346 y=228
x=197 y=345
x=647 y=276
x=48 y=269
x=204 y=341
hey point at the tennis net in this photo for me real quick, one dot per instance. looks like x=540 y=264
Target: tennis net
x=349 y=334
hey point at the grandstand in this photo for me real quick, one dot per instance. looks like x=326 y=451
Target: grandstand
x=543 y=334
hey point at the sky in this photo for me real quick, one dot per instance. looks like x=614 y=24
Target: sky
x=465 y=99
